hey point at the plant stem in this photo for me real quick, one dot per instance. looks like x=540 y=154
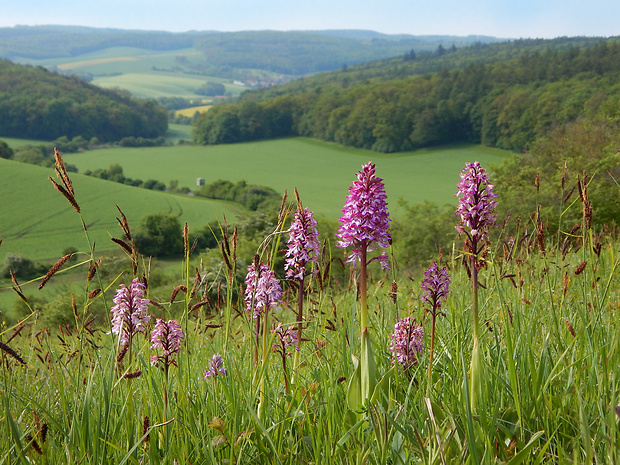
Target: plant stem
x=430 y=358
x=474 y=286
x=363 y=288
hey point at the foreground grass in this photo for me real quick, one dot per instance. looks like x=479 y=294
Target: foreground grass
x=551 y=352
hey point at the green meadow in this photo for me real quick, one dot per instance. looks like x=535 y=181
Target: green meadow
x=38 y=222
x=320 y=171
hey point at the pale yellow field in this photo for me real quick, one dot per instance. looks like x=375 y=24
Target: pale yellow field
x=100 y=61
x=189 y=112
x=80 y=64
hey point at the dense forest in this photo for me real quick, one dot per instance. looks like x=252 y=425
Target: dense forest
x=39 y=104
x=503 y=95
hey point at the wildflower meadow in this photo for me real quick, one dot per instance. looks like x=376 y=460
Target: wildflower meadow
x=503 y=351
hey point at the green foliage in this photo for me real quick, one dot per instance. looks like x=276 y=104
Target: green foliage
x=559 y=160
x=424 y=232
x=159 y=235
x=503 y=100
x=115 y=174
x=211 y=89
x=254 y=197
x=22 y=267
x=36 y=103
x=132 y=141
x=5 y=150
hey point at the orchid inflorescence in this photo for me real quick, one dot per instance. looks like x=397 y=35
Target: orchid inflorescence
x=365 y=219
x=435 y=287
x=286 y=337
x=129 y=315
x=216 y=367
x=476 y=203
x=167 y=336
x=263 y=291
x=406 y=344
x=303 y=245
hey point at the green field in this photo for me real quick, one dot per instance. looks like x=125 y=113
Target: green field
x=38 y=222
x=145 y=73
x=322 y=172
x=177 y=132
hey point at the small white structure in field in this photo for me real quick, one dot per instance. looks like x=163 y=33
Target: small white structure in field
x=200 y=181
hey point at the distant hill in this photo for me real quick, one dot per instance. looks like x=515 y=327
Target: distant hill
x=38 y=104
x=292 y=52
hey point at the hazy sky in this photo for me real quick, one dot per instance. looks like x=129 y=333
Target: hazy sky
x=499 y=18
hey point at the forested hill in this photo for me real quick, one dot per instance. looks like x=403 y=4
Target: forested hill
x=39 y=104
x=502 y=95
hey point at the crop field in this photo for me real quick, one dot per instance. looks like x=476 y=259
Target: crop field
x=145 y=73
x=189 y=112
x=157 y=84
x=319 y=170
x=37 y=221
x=117 y=60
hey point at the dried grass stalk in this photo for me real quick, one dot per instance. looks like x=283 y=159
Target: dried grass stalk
x=54 y=269
x=67 y=195
x=5 y=348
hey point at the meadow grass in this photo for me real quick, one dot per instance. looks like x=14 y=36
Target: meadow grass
x=317 y=169
x=14 y=142
x=550 y=349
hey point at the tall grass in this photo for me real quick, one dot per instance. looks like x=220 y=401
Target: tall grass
x=550 y=351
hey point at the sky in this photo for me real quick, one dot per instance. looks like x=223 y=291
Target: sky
x=499 y=18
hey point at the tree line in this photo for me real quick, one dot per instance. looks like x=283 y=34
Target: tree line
x=38 y=104
x=507 y=104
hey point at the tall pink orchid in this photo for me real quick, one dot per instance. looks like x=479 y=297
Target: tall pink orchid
x=476 y=209
x=364 y=226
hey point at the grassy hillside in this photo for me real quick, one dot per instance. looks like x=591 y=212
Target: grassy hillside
x=321 y=171
x=38 y=222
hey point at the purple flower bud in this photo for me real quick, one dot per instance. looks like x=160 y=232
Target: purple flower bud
x=435 y=287
x=365 y=219
x=216 y=367
x=303 y=244
x=406 y=345
x=476 y=203
x=129 y=315
x=263 y=291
